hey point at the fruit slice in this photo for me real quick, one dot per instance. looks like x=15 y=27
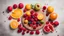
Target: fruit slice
x=50 y=9
x=46 y=29
x=40 y=16
x=53 y=16
x=14 y=24
x=17 y=13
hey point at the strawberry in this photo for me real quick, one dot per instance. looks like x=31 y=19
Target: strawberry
x=37 y=32
x=15 y=6
x=21 y=5
x=9 y=8
x=31 y=32
x=9 y=18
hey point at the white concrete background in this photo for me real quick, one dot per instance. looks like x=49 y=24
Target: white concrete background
x=4 y=26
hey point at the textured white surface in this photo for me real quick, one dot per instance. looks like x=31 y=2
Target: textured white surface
x=4 y=26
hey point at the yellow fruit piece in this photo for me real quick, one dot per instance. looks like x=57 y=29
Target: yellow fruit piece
x=26 y=21
x=28 y=6
x=53 y=16
x=14 y=24
x=40 y=16
x=17 y=13
x=50 y=9
x=28 y=13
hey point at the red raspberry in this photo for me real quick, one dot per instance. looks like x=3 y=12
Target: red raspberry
x=23 y=33
x=18 y=19
x=19 y=31
x=27 y=31
x=9 y=8
x=56 y=23
x=44 y=7
x=34 y=27
x=31 y=32
x=47 y=22
x=37 y=32
x=15 y=6
x=10 y=18
x=24 y=10
x=21 y=5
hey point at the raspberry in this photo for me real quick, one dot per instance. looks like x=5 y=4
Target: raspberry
x=21 y=5
x=18 y=19
x=27 y=31
x=24 y=10
x=23 y=33
x=56 y=23
x=34 y=22
x=36 y=25
x=44 y=7
x=9 y=8
x=10 y=18
x=32 y=11
x=19 y=25
x=19 y=31
x=31 y=32
x=37 y=32
x=15 y=6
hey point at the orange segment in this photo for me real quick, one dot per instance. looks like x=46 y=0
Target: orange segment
x=17 y=13
x=40 y=16
x=14 y=24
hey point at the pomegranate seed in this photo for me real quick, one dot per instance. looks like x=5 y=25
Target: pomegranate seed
x=10 y=18
x=31 y=32
x=15 y=6
x=44 y=7
x=18 y=19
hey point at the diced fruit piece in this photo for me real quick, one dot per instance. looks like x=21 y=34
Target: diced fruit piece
x=37 y=32
x=14 y=24
x=28 y=6
x=46 y=29
x=21 y=5
x=15 y=6
x=17 y=13
x=23 y=33
x=56 y=23
x=34 y=27
x=10 y=18
x=26 y=21
x=31 y=32
x=19 y=31
x=37 y=7
x=53 y=16
x=18 y=19
x=50 y=9
x=28 y=13
x=9 y=8
x=40 y=16
x=44 y=7
x=34 y=22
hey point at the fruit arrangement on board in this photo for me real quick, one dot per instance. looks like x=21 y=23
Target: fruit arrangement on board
x=32 y=18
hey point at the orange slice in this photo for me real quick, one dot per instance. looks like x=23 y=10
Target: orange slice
x=17 y=13
x=14 y=24
x=40 y=16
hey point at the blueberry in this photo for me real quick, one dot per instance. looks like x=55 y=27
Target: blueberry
x=37 y=22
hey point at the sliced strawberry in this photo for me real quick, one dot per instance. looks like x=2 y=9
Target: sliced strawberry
x=15 y=6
